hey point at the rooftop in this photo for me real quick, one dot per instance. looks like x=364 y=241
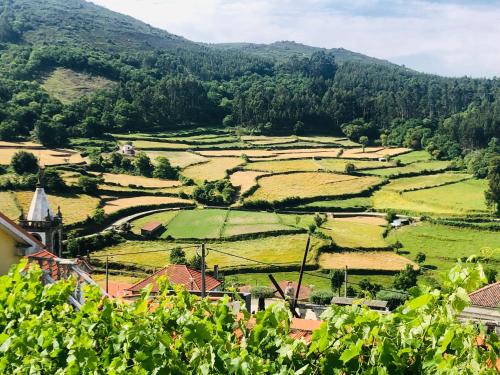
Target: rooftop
x=487 y=296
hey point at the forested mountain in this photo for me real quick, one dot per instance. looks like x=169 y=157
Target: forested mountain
x=165 y=81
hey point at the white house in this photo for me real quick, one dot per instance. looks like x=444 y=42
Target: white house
x=127 y=150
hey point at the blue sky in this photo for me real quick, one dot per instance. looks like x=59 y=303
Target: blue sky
x=447 y=37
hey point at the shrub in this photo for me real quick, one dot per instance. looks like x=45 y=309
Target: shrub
x=215 y=193
x=178 y=256
x=420 y=257
x=394 y=299
x=164 y=170
x=262 y=292
x=321 y=297
x=24 y=163
x=405 y=279
x=349 y=168
x=89 y=185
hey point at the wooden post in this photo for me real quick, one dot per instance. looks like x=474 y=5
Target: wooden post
x=203 y=285
x=276 y=285
x=302 y=267
x=345 y=282
x=107 y=275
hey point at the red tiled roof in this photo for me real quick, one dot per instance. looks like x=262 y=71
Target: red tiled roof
x=304 y=293
x=177 y=274
x=487 y=296
x=23 y=231
x=42 y=258
x=151 y=226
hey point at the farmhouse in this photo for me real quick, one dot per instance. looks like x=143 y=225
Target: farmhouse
x=484 y=308
x=152 y=229
x=177 y=274
x=127 y=150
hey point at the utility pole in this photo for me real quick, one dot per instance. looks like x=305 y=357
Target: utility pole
x=107 y=275
x=345 y=282
x=302 y=267
x=203 y=286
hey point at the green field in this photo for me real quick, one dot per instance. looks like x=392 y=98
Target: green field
x=418 y=167
x=359 y=202
x=461 y=198
x=444 y=244
x=355 y=235
x=163 y=217
x=414 y=156
x=8 y=205
x=422 y=182
x=196 y=224
x=279 y=250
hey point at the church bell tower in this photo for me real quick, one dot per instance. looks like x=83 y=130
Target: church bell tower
x=41 y=222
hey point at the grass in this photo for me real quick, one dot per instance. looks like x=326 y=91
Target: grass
x=152 y=145
x=8 y=205
x=245 y=180
x=67 y=85
x=214 y=169
x=119 y=204
x=181 y=159
x=373 y=152
x=444 y=244
x=277 y=250
x=196 y=224
x=46 y=157
x=359 y=202
x=370 y=260
x=417 y=167
x=284 y=165
x=75 y=208
x=461 y=198
x=242 y=222
x=309 y=185
x=422 y=182
x=140 y=181
x=355 y=235
x=414 y=156
x=338 y=165
x=163 y=217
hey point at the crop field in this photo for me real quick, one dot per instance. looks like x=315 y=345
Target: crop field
x=279 y=250
x=338 y=165
x=245 y=180
x=74 y=207
x=309 y=185
x=373 y=152
x=358 y=202
x=126 y=180
x=374 y=260
x=8 y=205
x=237 y=153
x=153 y=145
x=243 y=222
x=196 y=224
x=356 y=232
x=214 y=169
x=284 y=165
x=414 y=156
x=417 y=167
x=181 y=159
x=46 y=157
x=461 y=198
x=444 y=244
x=67 y=85
x=423 y=182
x=119 y=204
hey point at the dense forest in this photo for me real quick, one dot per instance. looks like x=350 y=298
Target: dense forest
x=164 y=82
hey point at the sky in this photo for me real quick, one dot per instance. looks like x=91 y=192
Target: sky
x=446 y=37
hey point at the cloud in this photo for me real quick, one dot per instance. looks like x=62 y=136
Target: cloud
x=448 y=37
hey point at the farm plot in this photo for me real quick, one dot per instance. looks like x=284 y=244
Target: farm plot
x=310 y=185
x=155 y=145
x=181 y=159
x=237 y=153
x=214 y=169
x=126 y=180
x=245 y=180
x=356 y=232
x=330 y=140
x=46 y=157
x=444 y=244
x=338 y=165
x=284 y=165
x=414 y=156
x=373 y=152
x=120 y=204
x=196 y=224
x=417 y=167
x=461 y=198
x=74 y=207
x=8 y=205
x=266 y=141
x=423 y=182
x=243 y=222
x=330 y=204
x=376 y=260
x=279 y=250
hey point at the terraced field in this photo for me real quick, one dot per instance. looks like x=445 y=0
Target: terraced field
x=417 y=167
x=47 y=157
x=245 y=180
x=214 y=169
x=126 y=180
x=375 y=260
x=310 y=185
x=356 y=232
x=181 y=159
x=122 y=203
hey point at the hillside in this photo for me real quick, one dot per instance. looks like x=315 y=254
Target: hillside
x=165 y=82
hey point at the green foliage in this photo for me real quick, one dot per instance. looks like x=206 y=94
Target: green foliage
x=50 y=134
x=83 y=245
x=393 y=298
x=369 y=287
x=89 y=185
x=262 y=292
x=336 y=280
x=321 y=297
x=178 y=256
x=143 y=166
x=405 y=279
x=183 y=334
x=195 y=262
x=493 y=193
x=53 y=182
x=420 y=257
x=349 y=168
x=164 y=170
x=24 y=162
x=491 y=275
x=215 y=192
